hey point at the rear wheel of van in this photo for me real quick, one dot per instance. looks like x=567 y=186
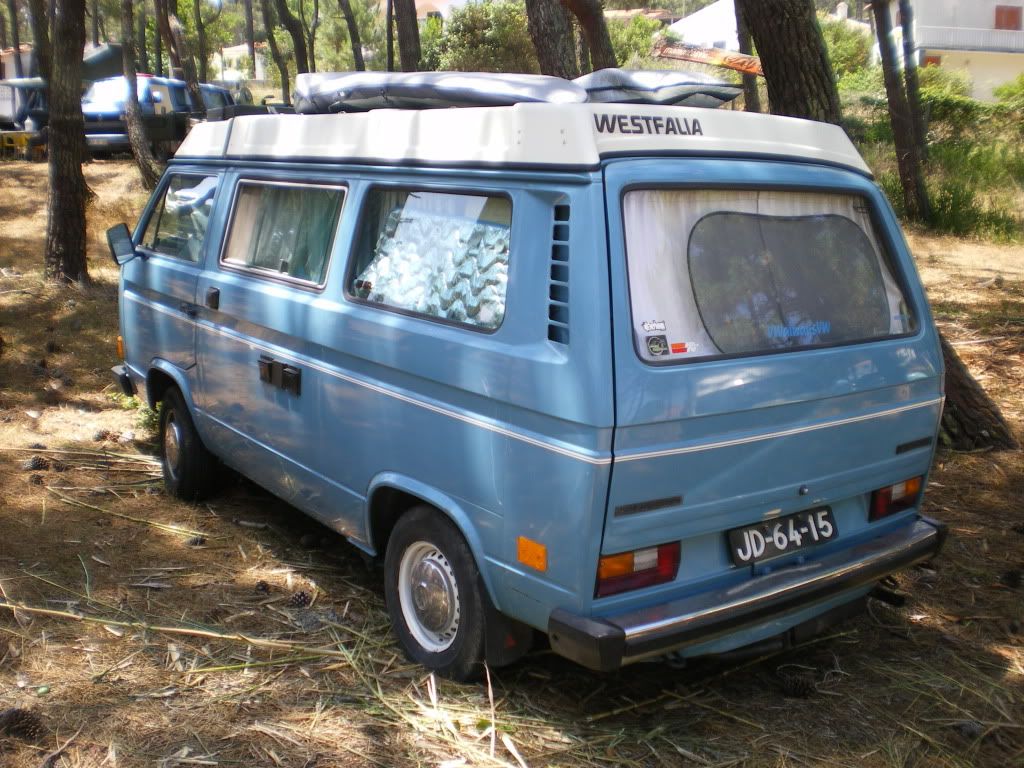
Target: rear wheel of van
x=433 y=593
x=189 y=469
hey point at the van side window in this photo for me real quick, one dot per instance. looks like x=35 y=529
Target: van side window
x=178 y=224
x=283 y=230
x=440 y=255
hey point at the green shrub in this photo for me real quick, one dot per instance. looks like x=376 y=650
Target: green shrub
x=849 y=48
x=632 y=42
x=1012 y=93
x=488 y=36
x=957 y=210
x=893 y=189
x=866 y=80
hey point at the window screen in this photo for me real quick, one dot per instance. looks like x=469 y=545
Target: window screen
x=736 y=272
x=178 y=224
x=437 y=254
x=284 y=230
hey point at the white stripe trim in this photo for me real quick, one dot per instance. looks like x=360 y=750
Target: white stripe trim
x=175 y=313
x=466 y=419
x=773 y=435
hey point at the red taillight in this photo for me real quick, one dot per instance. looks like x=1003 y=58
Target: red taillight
x=895 y=498
x=636 y=569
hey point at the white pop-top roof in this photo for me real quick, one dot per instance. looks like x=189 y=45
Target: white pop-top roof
x=530 y=135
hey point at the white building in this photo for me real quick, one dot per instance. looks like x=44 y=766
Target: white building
x=713 y=26
x=983 y=37
x=8 y=68
x=231 y=64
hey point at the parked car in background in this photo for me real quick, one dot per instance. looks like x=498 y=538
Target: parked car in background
x=166 y=108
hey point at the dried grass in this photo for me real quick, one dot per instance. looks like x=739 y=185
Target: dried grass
x=151 y=633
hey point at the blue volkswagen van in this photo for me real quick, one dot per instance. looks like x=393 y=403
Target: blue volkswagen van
x=651 y=380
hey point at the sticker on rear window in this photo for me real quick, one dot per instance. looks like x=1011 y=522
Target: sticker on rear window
x=657 y=345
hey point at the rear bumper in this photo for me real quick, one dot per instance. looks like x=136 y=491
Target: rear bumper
x=106 y=140
x=609 y=642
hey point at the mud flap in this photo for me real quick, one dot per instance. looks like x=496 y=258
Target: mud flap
x=505 y=639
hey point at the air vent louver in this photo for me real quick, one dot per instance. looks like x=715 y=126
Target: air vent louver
x=558 y=288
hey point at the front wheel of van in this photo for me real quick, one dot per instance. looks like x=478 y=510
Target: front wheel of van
x=432 y=588
x=189 y=469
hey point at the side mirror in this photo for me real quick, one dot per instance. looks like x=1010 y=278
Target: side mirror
x=121 y=246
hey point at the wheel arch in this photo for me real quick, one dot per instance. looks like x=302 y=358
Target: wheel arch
x=160 y=377
x=390 y=495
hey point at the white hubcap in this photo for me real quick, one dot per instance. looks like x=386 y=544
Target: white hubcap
x=172 y=445
x=429 y=596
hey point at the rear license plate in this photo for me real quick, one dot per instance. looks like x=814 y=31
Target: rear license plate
x=781 y=536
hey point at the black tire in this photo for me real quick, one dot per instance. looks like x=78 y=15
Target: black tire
x=190 y=470
x=446 y=632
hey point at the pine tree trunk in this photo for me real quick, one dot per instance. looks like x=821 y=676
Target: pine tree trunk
x=142 y=59
x=250 y=38
x=915 y=194
x=12 y=8
x=3 y=36
x=970 y=420
x=202 y=53
x=269 y=24
x=158 y=48
x=39 y=15
x=389 y=33
x=148 y=167
x=65 y=223
x=178 y=49
x=582 y=50
x=751 y=97
x=94 y=13
x=910 y=77
x=550 y=27
x=408 y=35
x=800 y=79
x=294 y=28
x=353 y=35
x=591 y=17
x=311 y=36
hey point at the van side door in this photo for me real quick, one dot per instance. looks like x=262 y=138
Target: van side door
x=258 y=393
x=158 y=300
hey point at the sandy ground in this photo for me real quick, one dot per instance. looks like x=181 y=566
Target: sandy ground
x=239 y=633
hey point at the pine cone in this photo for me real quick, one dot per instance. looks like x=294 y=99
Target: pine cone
x=197 y=541
x=58 y=466
x=299 y=600
x=21 y=724
x=35 y=464
x=796 y=685
x=262 y=586
x=35 y=479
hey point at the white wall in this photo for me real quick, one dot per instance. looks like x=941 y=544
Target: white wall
x=978 y=14
x=987 y=70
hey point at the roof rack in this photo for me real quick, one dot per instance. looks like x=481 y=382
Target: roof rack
x=325 y=93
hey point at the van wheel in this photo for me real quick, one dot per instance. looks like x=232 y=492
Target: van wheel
x=189 y=468
x=432 y=589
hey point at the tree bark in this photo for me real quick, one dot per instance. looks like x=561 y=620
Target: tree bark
x=294 y=28
x=389 y=33
x=94 y=13
x=582 y=50
x=3 y=35
x=912 y=83
x=751 y=97
x=311 y=28
x=408 y=35
x=269 y=24
x=148 y=167
x=178 y=49
x=353 y=35
x=158 y=47
x=142 y=59
x=12 y=8
x=202 y=54
x=550 y=27
x=250 y=38
x=39 y=17
x=970 y=419
x=591 y=17
x=65 y=222
x=915 y=193
x=800 y=79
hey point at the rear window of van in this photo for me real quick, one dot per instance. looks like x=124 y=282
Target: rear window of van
x=723 y=273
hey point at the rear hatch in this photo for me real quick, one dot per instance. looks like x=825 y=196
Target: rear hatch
x=774 y=355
